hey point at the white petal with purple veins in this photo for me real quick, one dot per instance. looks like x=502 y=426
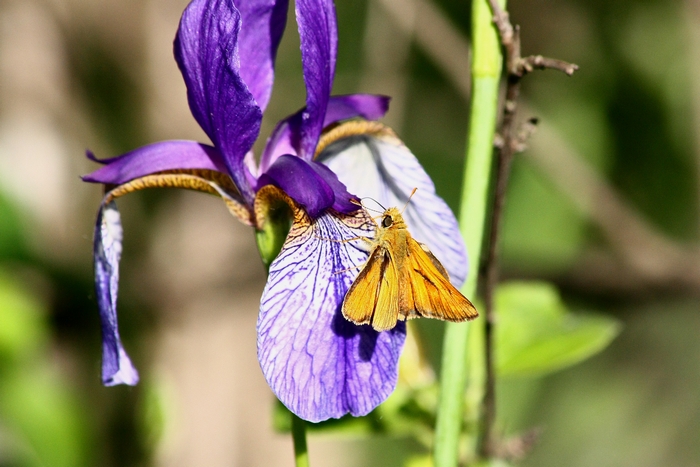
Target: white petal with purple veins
x=384 y=169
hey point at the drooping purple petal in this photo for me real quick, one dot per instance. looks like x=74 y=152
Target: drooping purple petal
x=157 y=157
x=319 y=45
x=301 y=183
x=206 y=50
x=386 y=170
x=319 y=364
x=262 y=25
x=116 y=365
x=286 y=138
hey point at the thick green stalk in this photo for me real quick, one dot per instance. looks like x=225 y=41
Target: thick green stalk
x=486 y=71
x=301 y=453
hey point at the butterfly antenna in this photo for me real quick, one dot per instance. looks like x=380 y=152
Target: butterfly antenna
x=408 y=200
x=370 y=209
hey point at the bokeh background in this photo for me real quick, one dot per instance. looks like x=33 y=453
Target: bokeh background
x=604 y=204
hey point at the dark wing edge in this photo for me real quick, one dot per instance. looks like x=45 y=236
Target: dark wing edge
x=434 y=260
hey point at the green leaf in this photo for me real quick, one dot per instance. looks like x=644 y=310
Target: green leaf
x=13 y=230
x=536 y=334
x=22 y=327
x=44 y=417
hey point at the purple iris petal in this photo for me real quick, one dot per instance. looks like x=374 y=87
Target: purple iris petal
x=262 y=25
x=157 y=157
x=367 y=106
x=286 y=138
x=317 y=363
x=206 y=50
x=301 y=182
x=283 y=140
x=319 y=43
x=116 y=365
x=342 y=199
x=385 y=170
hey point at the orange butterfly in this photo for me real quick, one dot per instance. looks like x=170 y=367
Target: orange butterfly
x=402 y=280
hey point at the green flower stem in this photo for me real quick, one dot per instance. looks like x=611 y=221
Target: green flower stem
x=486 y=71
x=301 y=453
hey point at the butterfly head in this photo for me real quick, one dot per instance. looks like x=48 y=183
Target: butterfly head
x=392 y=219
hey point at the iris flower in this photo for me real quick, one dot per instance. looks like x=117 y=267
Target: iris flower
x=317 y=363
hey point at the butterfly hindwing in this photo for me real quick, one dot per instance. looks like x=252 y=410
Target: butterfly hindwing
x=433 y=294
x=386 y=310
x=434 y=260
x=361 y=300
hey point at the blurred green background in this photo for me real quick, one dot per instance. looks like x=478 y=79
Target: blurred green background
x=604 y=205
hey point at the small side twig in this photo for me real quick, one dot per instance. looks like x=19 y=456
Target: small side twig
x=509 y=142
x=516 y=64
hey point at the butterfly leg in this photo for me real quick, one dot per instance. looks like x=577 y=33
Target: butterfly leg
x=345 y=240
x=348 y=269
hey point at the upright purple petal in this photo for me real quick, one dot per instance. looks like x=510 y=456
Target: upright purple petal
x=206 y=50
x=319 y=364
x=116 y=365
x=157 y=157
x=286 y=138
x=262 y=25
x=319 y=45
x=384 y=169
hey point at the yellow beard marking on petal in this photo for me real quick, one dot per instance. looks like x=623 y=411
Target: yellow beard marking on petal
x=282 y=223
x=354 y=128
x=270 y=199
x=207 y=181
x=279 y=221
x=221 y=179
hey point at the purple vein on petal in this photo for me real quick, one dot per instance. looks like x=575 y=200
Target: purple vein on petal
x=116 y=365
x=317 y=363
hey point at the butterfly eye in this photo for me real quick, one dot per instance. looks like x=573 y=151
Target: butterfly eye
x=387 y=221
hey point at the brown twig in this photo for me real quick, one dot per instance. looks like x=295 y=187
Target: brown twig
x=510 y=142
